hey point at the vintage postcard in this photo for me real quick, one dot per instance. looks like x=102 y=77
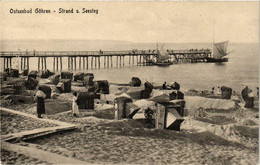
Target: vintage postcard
x=129 y=82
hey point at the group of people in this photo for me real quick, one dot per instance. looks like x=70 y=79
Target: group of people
x=40 y=96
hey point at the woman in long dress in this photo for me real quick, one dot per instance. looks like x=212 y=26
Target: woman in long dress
x=75 y=108
x=40 y=96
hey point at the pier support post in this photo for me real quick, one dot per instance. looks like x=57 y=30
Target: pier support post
x=84 y=63
x=60 y=63
x=24 y=62
x=108 y=61
x=116 y=60
x=10 y=63
x=104 y=61
x=95 y=62
x=53 y=63
x=75 y=63
x=111 y=61
x=123 y=60
x=129 y=59
x=21 y=63
x=42 y=63
x=5 y=62
x=99 y=62
x=120 y=61
x=79 y=63
x=71 y=60
x=38 y=64
x=91 y=61
x=144 y=61
x=57 y=61
x=68 y=63
x=28 y=63
x=87 y=62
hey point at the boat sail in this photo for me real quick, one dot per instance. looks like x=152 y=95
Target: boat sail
x=162 y=58
x=162 y=55
x=220 y=50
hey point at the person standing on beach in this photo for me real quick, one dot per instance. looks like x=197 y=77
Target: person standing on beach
x=164 y=86
x=40 y=96
x=75 y=107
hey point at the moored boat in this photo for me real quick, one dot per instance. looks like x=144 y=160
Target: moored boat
x=162 y=58
x=219 y=52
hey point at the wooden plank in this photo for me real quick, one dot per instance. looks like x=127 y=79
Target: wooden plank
x=99 y=62
x=57 y=61
x=132 y=109
x=173 y=119
x=84 y=63
x=79 y=63
x=91 y=61
x=60 y=63
x=87 y=62
x=53 y=63
x=39 y=154
x=38 y=63
x=160 y=117
x=75 y=63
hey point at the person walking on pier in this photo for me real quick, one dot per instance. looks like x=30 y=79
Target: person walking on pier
x=75 y=108
x=40 y=96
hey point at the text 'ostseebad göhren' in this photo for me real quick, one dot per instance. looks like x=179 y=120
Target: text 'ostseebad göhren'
x=48 y=11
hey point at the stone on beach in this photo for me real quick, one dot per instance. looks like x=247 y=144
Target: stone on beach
x=47 y=90
x=31 y=83
x=175 y=85
x=55 y=79
x=226 y=92
x=134 y=92
x=46 y=74
x=33 y=74
x=159 y=96
x=14 y=73
x=248 y=97
x=145 y=104
x=136 y=82
x=102 y=86
x=25 y=72
x=120 y=107
x=193 y=102
x=86 y=100
x=88 y=81
x=148 y=86
x=66 y=75
x=20 y=99
x=78 y=76
x=3 y=77
x=144 y=94
x=64 y=86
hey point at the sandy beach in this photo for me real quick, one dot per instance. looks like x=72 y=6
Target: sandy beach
x=215 y=131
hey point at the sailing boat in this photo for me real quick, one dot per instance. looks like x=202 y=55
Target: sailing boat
x=219 y=51
x=162 y=58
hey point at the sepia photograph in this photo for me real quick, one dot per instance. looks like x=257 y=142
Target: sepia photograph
x=137 y=82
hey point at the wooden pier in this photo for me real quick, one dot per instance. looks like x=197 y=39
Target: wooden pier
x=92 y=59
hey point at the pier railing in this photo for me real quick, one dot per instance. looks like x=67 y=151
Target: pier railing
x=94 y=53
x=92 y=58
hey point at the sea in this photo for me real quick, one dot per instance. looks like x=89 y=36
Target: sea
x=242 y=69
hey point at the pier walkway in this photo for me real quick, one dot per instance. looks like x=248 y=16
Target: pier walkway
x=91 y=59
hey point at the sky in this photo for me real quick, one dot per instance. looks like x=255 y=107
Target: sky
x=144 y=22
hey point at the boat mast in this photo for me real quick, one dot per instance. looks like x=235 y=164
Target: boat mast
x=213 y=40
